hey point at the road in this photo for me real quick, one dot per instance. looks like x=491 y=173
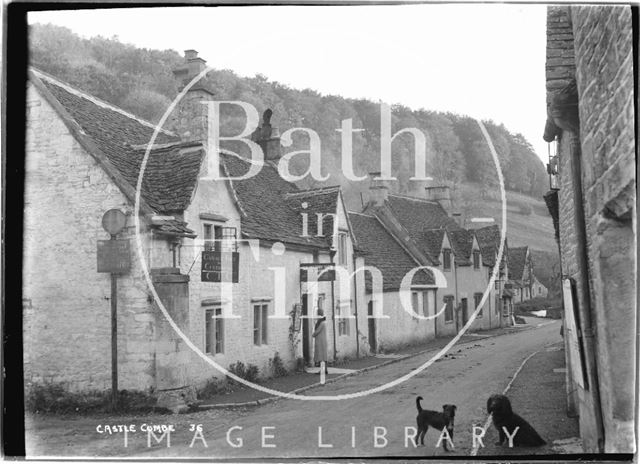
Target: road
x=290 y=428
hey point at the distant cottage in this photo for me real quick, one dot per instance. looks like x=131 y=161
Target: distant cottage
x=84 y=157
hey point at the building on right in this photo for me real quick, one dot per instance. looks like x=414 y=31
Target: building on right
x=592 y=199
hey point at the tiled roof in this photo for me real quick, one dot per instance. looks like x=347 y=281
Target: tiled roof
x=172 y=227
x=432 y=240
x=170 y=176
x=267 y=205
x=462 y=244
x=517 y=258
x=418 y=215
x=489 y=242
x=382 y=251
x=322 y=201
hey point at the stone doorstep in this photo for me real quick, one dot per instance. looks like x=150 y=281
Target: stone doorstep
x=331 y=380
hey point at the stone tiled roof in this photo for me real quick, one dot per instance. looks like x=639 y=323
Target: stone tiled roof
x=267 y=204
x=382 y=251
x=489 y=243
x=171 y=172
x=418 y=215
x=313 y=202
x=432 y=240
x=517 y=260
x=462 y=244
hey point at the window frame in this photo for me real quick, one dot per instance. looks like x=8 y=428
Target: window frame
x=449 y=302
x=214 y=345
x=342 y=248
x=476 y=259
x=425 y=303
x=344 y=328
x=446 y=259
x=477 y=297
x=260 y=323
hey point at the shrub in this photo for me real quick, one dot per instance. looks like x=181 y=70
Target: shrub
x=278 y=368
x=249 y=372
x=212 y=388
x=54 y=398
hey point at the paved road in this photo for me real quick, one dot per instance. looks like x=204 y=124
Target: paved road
x=466 y=378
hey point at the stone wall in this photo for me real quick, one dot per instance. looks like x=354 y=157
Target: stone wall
x=67 y=325
x=597 y=159
x=604 y=62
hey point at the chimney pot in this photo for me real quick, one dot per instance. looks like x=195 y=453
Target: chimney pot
x=378 y=190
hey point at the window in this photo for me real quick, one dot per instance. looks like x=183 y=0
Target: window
x=446 y=259
x=342 y=248
x=539 y=290
x=476 y=259
x=260 y=323
x=425 y=303
x=415 y=305
x=214 y=331
x=342 y=312
x=476 y=302
x=219 y=238
x=448 y=311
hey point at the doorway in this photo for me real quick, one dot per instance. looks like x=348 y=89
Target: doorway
x=465 y=311
x=306 y=351
x=372 y=328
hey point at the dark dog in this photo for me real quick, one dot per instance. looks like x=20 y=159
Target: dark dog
x=499 y=407
x=435 y=419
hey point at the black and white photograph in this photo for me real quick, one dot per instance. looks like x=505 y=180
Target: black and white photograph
x=325 y=232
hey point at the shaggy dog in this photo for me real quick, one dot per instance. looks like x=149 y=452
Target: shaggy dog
x=499 y=407
x=435 y=419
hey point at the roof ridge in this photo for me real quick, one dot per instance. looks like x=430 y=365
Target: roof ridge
x=409 y=197
x=79 y=93
x=315 y=190
x=361 y=214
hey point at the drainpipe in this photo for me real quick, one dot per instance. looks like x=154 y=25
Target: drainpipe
x=455 y=280
x=332 y=254
x=355 y=303
x=588 y=330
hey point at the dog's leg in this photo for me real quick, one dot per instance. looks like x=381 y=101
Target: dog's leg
x=424 y=432
x=502 y=436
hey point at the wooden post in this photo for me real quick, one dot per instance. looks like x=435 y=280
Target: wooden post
x=114 y=337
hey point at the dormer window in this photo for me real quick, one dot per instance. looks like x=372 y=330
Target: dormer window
x=446 y=259
x=476 y=259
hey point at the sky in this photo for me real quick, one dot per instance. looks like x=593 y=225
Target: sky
x=483 y=60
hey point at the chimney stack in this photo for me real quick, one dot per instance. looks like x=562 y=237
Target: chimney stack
x=268 y=138
x=193 y=65
x=378 y=190
x=189 y=119
x=442 y=195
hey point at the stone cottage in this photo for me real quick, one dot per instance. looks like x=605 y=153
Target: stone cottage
x=428 y=231
x=590 y=106
x=84 y=158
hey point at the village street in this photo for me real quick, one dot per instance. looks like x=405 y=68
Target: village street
x=466 y=378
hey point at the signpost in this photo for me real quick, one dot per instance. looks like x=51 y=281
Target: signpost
x=114 y=257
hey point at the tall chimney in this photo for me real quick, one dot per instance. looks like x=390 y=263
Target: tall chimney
x=189 y=119
x=268 y=138
x=378 y=190
x=441 y=194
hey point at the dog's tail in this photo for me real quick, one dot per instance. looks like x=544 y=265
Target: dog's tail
x=418 y=404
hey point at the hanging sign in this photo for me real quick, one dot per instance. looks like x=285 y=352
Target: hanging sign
x=114 y=256
x=212 y=266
